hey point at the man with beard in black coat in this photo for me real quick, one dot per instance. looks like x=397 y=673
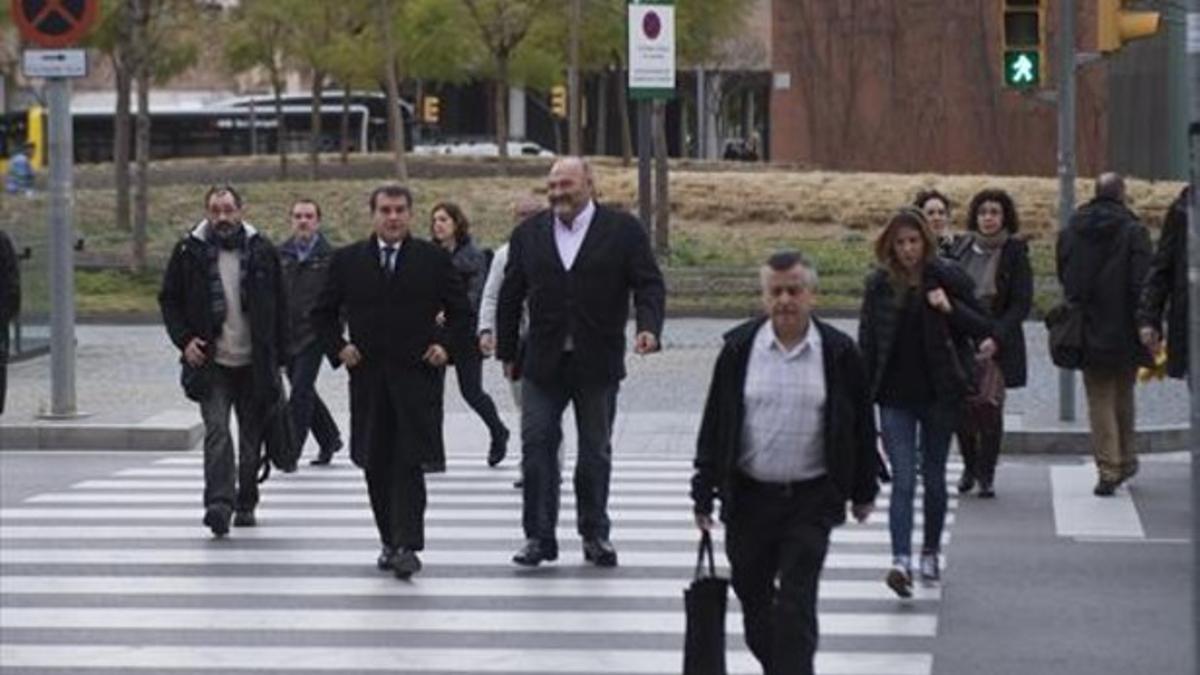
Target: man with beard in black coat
x=222 y=303
x=389 y=290
x=1103 y=256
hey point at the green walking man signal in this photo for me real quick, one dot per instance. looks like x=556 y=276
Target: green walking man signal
x=1024 y=26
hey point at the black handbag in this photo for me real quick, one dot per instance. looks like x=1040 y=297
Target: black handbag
x=705 y=601
x=281 y=446
x=1064 y=327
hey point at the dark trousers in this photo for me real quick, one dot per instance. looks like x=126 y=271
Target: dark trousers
x=3 y=367
x=979 y=441
x=308 y=410
x=469 y=371
x=776 y=540
x=396 y=487
x=542 y=406
x=226 y=484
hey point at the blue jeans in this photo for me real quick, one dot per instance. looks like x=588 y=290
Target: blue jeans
x=908 y=434
x=308 y=410
x=542 y=406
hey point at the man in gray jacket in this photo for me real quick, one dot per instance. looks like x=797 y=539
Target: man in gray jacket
x=305 y=260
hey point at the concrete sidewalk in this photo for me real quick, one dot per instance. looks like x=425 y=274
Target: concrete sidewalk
x=128 y=383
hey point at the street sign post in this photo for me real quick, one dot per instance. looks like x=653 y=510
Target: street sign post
x=651 y=61
x=55 y=25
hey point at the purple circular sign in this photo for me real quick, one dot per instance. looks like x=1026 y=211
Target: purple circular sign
x=651 y=25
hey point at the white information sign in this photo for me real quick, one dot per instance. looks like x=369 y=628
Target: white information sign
x=651 y=50
x=54 y=63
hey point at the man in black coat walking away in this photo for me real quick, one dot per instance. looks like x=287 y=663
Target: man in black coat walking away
x=1166 y=290
x=576 y=265
x=1103 y=256
x=389 y=290
x=10 y=305
x=787 y=440
x=222 y=302
x=305 y=257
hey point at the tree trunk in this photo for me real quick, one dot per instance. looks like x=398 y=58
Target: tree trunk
x=574 y=85
x=662 y=197
x=141 y=36
x=280 y=126
x=626 y=126
x=121 y=144
x=603 y=81
x=395 y=118
x=502 y=109
x=345 y=145
x=314 y=130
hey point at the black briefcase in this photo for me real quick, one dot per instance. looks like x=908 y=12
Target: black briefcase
x=705 y=601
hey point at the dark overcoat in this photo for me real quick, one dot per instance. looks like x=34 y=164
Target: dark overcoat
x=395 y=404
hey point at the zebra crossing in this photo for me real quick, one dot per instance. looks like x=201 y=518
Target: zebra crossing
x=117 y=574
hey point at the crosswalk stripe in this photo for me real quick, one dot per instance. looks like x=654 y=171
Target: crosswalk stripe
x=452 y=474
x=316 y=557
x=500 y=488
x=423 y=660
x=433 y=620
x=510 y=583
x=680 y=517
x=842 y=535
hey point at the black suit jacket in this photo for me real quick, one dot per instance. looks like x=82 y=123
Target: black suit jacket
x=851 y=461
x=590 y=302
x=392 y=320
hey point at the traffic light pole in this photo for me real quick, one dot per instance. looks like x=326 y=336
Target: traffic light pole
x=1066 y=165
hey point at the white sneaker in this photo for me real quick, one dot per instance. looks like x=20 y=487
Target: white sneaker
x=930 y=567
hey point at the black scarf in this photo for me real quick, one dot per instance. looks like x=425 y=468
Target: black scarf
x=216 y=292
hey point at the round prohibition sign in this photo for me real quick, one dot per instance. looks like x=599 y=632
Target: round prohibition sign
x=54 y=23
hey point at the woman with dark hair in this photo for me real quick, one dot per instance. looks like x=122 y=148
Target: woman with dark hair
x=936 y=207
x=997 y=260
x=451 y=230
x=918 y=315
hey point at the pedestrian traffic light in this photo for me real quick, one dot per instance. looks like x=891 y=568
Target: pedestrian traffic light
x=558 y=101
x=431 y=110
x=1117 y=25
x=1024 y=42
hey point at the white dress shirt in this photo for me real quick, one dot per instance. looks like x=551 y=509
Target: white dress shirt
x=569 y=238
x=783 y=437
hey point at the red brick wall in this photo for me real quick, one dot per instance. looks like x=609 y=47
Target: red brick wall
x=914 y=86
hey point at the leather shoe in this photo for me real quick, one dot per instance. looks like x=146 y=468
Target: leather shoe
x=534 y=552
x=244 y=519
x=499 y=448
x=216 y=518
x=599 y=552
x=325 y=455
x=1105 y=488
x=405 y=563
x=966 y=483
x=386 y=556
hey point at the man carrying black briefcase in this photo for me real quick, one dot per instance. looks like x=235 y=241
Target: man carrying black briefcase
x=787 y=439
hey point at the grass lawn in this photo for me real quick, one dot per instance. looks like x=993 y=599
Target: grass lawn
x=724 y=221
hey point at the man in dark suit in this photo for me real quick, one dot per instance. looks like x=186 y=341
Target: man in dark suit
x=787 y=439
x=576 y=265
x=389 y=289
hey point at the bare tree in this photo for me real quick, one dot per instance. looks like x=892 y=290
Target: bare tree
x=395 y=116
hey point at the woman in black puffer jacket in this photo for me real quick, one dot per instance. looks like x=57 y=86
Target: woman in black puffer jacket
x=919 y=315
x=450 y=229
